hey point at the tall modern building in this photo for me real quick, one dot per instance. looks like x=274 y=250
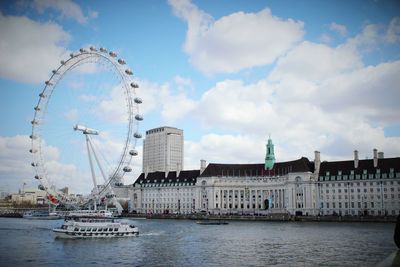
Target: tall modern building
x=163 y=150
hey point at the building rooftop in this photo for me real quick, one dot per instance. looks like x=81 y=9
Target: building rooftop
x=279 y=168
x=345 y=167
x=159 y=177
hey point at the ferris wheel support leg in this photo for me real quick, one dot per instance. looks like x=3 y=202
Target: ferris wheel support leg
x=92 y=171
x=115 y=202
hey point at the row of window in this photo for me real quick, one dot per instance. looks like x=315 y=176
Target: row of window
x=369 y=196
x=359 y=204
x=360 y=184
x=358 y=176
x=167 y=185
x=360 y=212
x=365 y=190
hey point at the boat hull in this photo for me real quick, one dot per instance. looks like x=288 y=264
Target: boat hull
x=74 y=235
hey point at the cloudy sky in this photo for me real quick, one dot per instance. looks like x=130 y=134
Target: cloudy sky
x=315 y=75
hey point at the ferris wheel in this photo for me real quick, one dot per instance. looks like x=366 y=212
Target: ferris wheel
x=86 y=124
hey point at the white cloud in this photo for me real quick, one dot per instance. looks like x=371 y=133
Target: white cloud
x=340 y=29
x=25 y=54
x=315 y=62
x=367 y=40
x=224 y=149
x=72 y=115
x=371 y=91
x=317 y=98
x=173 y=104
x=237 y=41
x=15 y=166
x=393 y=31
x=325 y=38
x=67 y=9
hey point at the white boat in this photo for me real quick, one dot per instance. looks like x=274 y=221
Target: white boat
x=89 y=227
x=41 y=215
x=91 y=213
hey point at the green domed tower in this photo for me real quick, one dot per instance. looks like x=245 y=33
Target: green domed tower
x=270 y=156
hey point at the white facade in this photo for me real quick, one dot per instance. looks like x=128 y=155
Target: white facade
x=298 y=187
x=362 y=187
x=266 y=193
x=164 y=193
x=32 y=196
x=163 y=150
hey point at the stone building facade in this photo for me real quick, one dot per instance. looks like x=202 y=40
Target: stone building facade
x=299 y=187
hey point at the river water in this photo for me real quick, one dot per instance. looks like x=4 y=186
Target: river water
x=185 y=243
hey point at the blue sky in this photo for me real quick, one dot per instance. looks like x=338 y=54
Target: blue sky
x=316 y=75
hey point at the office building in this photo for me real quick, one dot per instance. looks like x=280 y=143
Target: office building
x=163 y=150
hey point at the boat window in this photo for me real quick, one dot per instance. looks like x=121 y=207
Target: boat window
x=105 y=229
x=88 y=229
x=64 y=227
x=94 y=229
x=82 y=229
x=76 y=229
x=110 y=229
x=116 y=229
x=100 y=230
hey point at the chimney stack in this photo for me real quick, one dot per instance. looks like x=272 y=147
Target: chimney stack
x=203 y=164
x=381 y=155
x=375 y=151
x=317 y=161
x=178 y=169
x=355 y=159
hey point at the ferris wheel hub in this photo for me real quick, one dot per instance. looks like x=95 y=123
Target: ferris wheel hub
x=85 y=130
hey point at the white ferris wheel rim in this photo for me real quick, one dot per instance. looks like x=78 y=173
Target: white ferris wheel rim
x=92 y=55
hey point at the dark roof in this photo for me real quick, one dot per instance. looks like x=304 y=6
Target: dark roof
x=156 y=177
x=384 y=165
x=280 y=168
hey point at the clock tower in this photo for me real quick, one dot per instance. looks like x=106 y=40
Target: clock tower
x=270 y=156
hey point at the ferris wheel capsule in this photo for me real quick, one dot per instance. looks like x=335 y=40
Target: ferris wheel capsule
x=54 y=71
x=42 y=95
x=103 y=50
x=137 y=135
x=134 y=85
x=48 y=83
x=133 y=152
x=113 y=54
x=41 y=187
x=82 y=50
x=127 y=169
x=138 y=117
x=71 y=55
x=37 y=108
x=33 y=137
x=33 y=164
x=37 y=177
x=92 y=48
x=138 y=100
x=128 y=71
x=62 y=62
x=121 y=61
x=33 y=150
